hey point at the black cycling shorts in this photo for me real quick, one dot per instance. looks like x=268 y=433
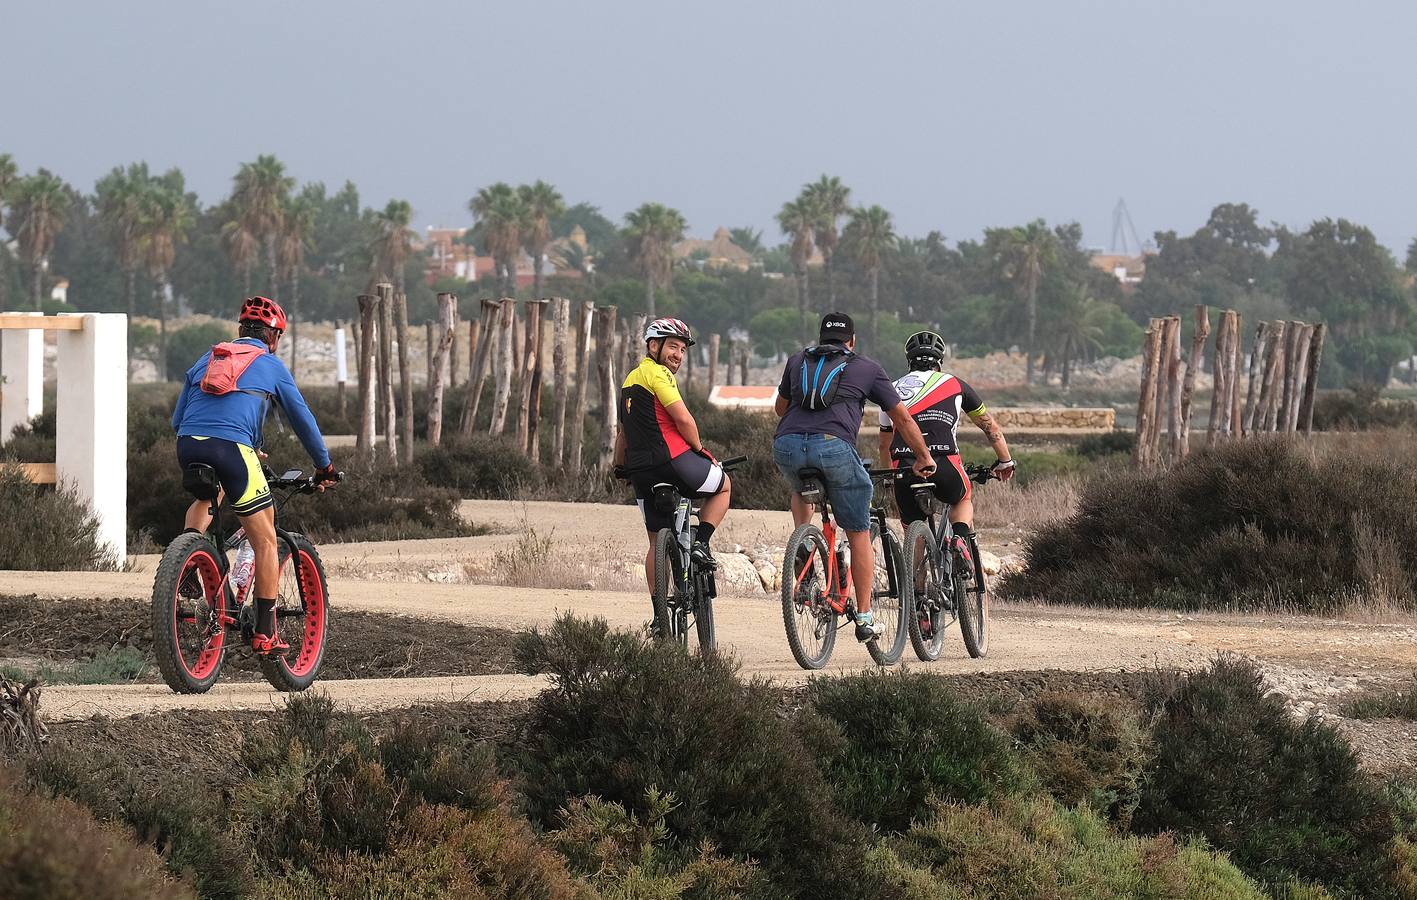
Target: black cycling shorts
x=951 y=486
x=238 y=469
x=691 y=474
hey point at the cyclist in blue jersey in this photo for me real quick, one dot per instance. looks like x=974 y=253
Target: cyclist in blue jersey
x=219 y=424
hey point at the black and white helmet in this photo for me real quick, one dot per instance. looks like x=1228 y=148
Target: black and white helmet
x=665 y=327
x=925 y=344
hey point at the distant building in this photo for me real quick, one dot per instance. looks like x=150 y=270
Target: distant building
x=449 y=256
x=60 y=291
x=719 y=252
x=1126 y=269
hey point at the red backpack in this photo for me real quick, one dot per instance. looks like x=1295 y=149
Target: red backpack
x=228 y=362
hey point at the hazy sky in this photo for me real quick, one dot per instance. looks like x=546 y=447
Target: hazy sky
x=955 y=116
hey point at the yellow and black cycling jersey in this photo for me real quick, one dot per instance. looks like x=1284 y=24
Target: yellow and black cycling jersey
x=651 y=437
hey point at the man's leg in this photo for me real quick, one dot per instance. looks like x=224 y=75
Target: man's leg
x=261 y=532
x=716 y=507
x=963 y=511
x=199 y=515
x=863 y=567
x=649 y=562
x=801 y=510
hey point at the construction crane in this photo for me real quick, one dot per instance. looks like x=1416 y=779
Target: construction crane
x=1122 y=229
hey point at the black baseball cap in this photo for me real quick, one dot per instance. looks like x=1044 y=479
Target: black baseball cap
x=837 y=326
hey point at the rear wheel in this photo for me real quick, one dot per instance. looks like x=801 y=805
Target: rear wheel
x=806 y=609
x=889 y=599
x=302 y=617
x=973 y=602
x=668 y=588
x=189 y=602
x=926 y=583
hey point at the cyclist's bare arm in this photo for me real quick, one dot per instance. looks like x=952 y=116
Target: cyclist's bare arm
x=779 y=406
x=618 y=457
x=995 y=434
x=883 y=446
x=688 y=428
x=910 y=433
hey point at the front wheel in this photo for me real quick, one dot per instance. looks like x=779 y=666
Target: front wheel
x=302 y=617
x=973 y=602
x=703 y=618
x=927 y=585
x=668 y=578
x=189 y=606
x=806 y=598
x=889 y=599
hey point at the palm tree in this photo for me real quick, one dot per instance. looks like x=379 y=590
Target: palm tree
x=869 y=235
x=165 y=219
x=543 y=203
x=796 y=220
x=295 y=237
x=242 y=248
x=259 y=197
x=120 y=197
x=829 y=199
x=37 y=206
x=393 y=243
x=1078 y=329
x=1025 y=253
x=8 y=173
x=570 y=255
x=500 y=214
x=750 y=239
x=652 y=231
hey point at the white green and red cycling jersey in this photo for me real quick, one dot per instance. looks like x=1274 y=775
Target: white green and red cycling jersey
x=936 y=401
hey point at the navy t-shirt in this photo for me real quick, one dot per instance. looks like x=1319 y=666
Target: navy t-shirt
x=862 y=380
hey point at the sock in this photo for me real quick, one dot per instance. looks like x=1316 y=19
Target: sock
x=961 y=530
x=265 y=617
x=193 y=531
x=864 y=618
x=704 y=533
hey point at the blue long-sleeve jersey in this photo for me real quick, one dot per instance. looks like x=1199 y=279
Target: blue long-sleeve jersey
x=238 y=416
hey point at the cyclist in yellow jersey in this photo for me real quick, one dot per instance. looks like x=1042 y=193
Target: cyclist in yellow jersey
x=658 y=441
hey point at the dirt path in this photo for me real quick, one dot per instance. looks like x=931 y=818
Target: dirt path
x=1318 y=660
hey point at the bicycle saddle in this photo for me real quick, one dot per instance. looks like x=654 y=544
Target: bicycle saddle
x=199 y=480
x=812 y=485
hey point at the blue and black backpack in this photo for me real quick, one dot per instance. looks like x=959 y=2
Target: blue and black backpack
x=822 y=368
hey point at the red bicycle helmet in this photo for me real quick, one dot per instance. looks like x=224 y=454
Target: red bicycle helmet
x=263 y=310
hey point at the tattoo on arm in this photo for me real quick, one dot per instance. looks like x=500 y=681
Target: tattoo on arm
x=990 y=428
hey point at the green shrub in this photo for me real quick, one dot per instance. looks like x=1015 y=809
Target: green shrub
x=1085 y=751
x=47 y=528
x=1361 y=410
x=481 y=466
x=1259 y=523
x=730 y=432
x=377 y=502
x=33 y=442
x=624 y=718
x=186 y=345
x=1030 y=848
x=1393 y=705
x=907 y=737
x=54 y=849
x=1284 y=798
x=1110 y=443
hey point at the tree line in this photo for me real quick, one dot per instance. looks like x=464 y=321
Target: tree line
x=140 y=242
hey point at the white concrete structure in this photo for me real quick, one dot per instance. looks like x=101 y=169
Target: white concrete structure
x=22 y=367
x=341 y=359
x=91 y=421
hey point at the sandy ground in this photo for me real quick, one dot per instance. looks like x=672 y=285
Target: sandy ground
x=1317 y=659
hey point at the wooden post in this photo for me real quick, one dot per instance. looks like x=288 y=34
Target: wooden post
x=389 y=417
x=605 y=359
x=448 y=307
x=1311 y=380
x=634 y=342
x=1237 y=357
x=506 y=327
x=1146 y=403
x=1159 y=419
x=1285 y=387
x=430 y=341
x=1263 y=336
x=561 y=311
x=1273 y=379
x=405 y=381
x=712 y=361
x=532 y=409
x=1299 y=366
x=358 y=357
x=746 y=349
x=1219 y=396
x=1198 y=341
x=482 y=346
x=454 y=356
x=518 y=338
x=583 y=336
x=1168 y=392
x=368 y=314
x=685 y=375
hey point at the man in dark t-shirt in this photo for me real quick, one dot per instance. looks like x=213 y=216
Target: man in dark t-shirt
x=824 y=438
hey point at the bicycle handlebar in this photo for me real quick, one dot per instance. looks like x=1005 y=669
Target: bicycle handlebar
x=300 y=483
x=728 y=465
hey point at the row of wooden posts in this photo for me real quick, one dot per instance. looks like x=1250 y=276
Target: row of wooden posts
x=1279 y=397
x=508 y=348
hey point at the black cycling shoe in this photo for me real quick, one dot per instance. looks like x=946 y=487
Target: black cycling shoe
x=703 y=557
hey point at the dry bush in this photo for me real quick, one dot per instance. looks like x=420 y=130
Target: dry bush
x=1027 y=507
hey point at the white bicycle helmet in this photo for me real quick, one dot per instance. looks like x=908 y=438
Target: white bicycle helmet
x=665 y=327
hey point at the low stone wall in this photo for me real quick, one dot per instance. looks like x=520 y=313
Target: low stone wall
x=1097 y=418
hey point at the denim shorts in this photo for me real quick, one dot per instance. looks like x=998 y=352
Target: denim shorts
x=848 y=486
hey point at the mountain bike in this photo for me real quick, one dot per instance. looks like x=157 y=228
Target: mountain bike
x=197 y=605
x=943 y=582
x=683 y=589
x=817 y=593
